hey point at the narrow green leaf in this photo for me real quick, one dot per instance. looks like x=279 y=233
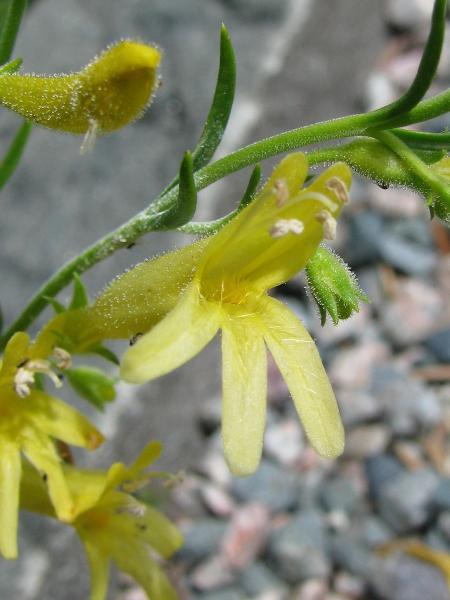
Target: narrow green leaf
x=222 y=103
x=210 y=227
x=13 y=17
x=424 y=140
x=11 y=67
x=105 y=353
x=80 y=297
x=92 y=384
x=56 y=305
x=220 y=109
x=425 y=73
x=252 y=186
x=184 y=208
x=12 y=157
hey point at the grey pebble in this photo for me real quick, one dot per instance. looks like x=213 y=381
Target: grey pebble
x=404 y=578
x=339 y=493
x=365 y=232
x=380 y=469
x=202 y=539
x=407 y=257
x=408 y=14
x=374 y=531
x=352 y=555
x=229 y=593
x=299 y=549
x=259 y=578
x=443 y=524
x=441 y=498
x=439 y=344
x=436 y=539
x=405 y=503
x=271 y=485
x=409 y=405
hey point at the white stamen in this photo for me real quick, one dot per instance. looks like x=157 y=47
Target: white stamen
x=174 y=480
x=284 y=226
x=136 y=510
x=281 y=190
x=90 y=137
x=329 y=224
x=22 y=381
x=37 y=365
x=63 y=358
x=325 y=200
x=338 y=186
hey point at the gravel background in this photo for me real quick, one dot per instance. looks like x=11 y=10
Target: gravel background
x=298 y=61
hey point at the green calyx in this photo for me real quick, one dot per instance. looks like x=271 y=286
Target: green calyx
x=333 y=286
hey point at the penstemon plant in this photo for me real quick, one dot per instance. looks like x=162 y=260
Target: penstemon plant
x=171 y=306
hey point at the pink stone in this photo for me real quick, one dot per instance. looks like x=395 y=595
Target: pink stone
x=284 y=441
x=313 y=589
x=217 y=500
x=352 y=367
x=246 y=535
x=212 y=574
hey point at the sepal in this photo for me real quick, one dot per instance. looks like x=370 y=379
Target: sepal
x=93 y=385
x=333 y=286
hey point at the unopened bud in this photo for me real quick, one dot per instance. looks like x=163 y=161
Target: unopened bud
x=110 y=92
x=333 y=286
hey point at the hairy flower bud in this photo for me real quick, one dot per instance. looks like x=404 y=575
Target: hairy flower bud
x=110 y=92
x=333 y=286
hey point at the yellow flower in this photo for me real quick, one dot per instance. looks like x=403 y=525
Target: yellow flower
x=114 y=525
x=179 y=302
x=110 y=92
x=29 y=420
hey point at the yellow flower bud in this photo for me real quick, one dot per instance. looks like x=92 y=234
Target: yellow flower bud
x=110 y=92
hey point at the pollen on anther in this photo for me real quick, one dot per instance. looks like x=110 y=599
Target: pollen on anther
x=22 y=381
x=338 y=186
x=284 y=226
x=329 y=224
x=63 y=358
x=281 y=190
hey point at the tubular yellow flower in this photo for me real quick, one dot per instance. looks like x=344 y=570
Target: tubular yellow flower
x=114 y=525
x=29 y=420
x=110 y=92
x=223 y=284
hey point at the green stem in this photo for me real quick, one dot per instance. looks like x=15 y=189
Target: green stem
x=417 y=166
x=149 y=219
x=10 y=28
x=424 y=111
x=424 y=140
x=429 y=62
x=12 y=157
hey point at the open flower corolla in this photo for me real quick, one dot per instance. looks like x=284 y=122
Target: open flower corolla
x=178 y=302
x=30 y=421
x=113 y=524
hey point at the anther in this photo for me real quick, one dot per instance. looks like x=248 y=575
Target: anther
x=39 y=365
x=174 y=480
x=281 y=190
x=22 y=381
x=284 y=226
x=136 y=510
x=329 y=224
x=63 y=358
x=338 y=186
